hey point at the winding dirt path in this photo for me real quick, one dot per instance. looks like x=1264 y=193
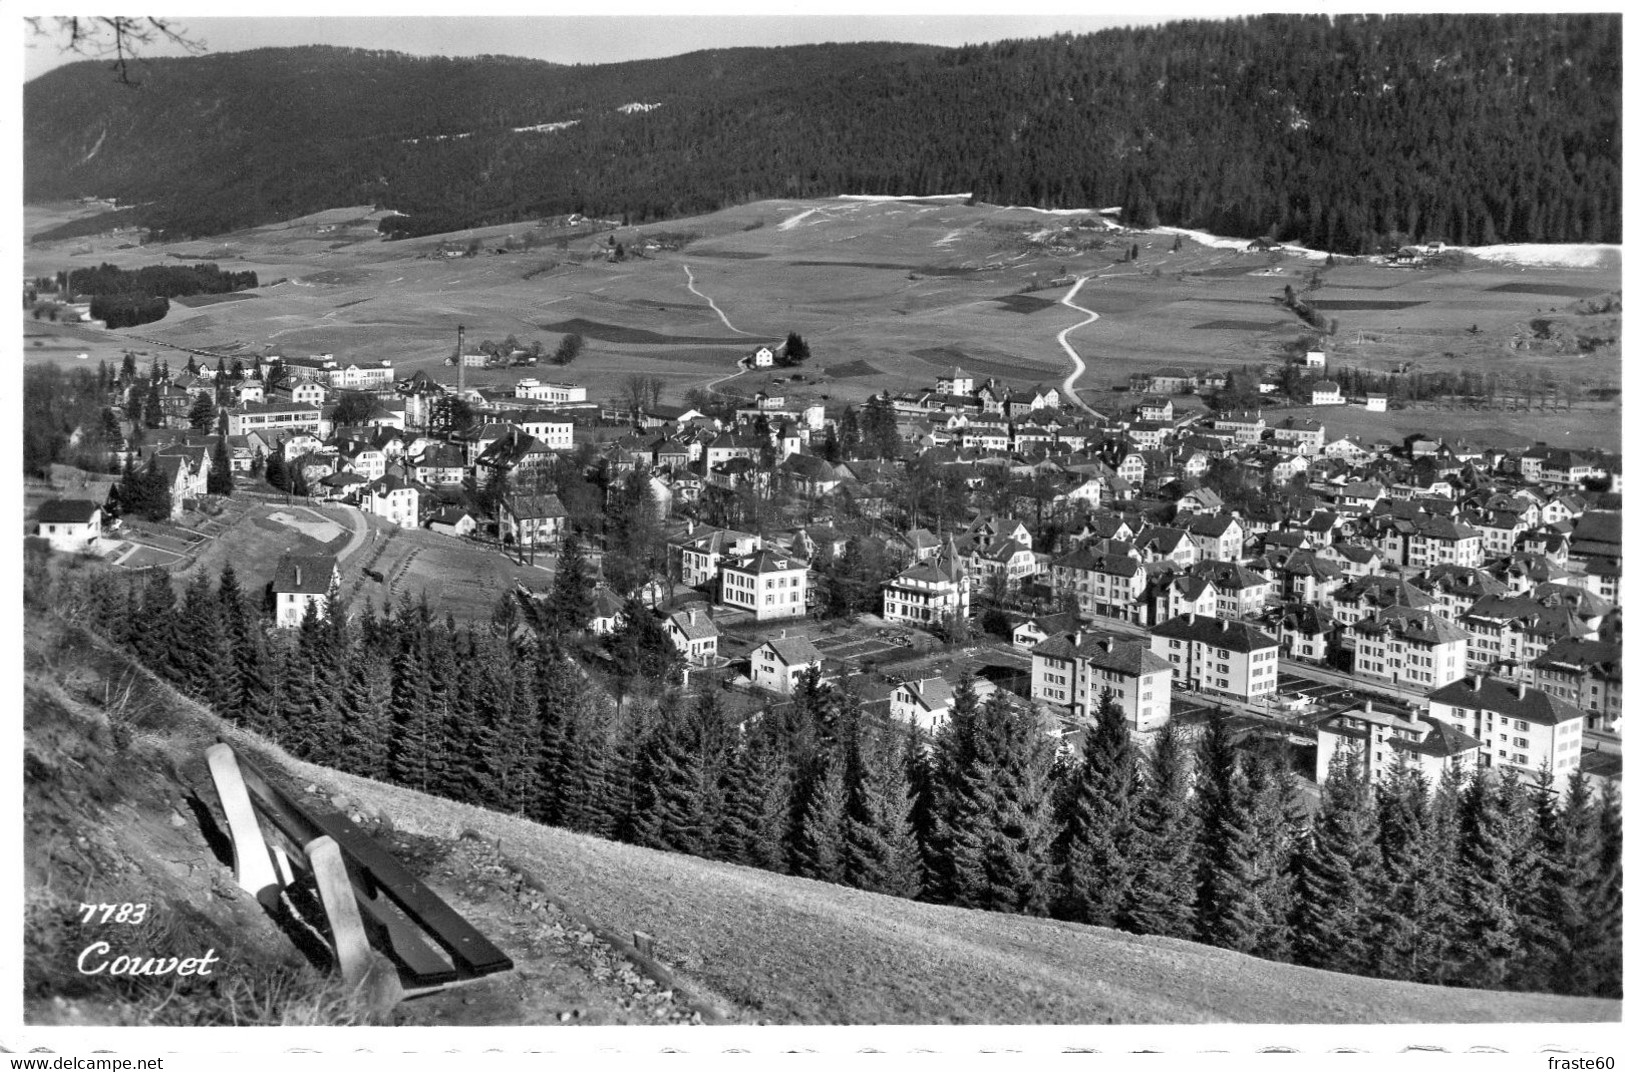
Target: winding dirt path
x=730 y=325
x=1069 y=388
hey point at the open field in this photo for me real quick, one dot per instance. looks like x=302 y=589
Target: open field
x=886 y=292
x=1589 y=425
x=788 y=950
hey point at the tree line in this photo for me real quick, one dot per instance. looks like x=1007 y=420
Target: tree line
x=1345 y=133
x=1479 y=881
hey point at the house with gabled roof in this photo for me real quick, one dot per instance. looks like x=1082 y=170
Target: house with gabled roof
x=1379 y=731
x=1414 y=649
x=1218 y=655
x=1241 y=591
x=769 y=584
x=694 y=635
x=69 y=524
x=779 y=663
x=1587 y=674
x=393 y=499
x=926 y=701
x=1076 y=670
x=1522 y=728
x=301 y=586
x=528 y=519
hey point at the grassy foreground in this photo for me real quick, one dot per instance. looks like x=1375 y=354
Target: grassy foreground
x=791 y=950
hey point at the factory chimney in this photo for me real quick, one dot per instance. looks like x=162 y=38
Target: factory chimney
x=459 y=361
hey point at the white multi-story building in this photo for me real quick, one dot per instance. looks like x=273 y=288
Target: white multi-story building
x=1518 y=726
x=392 y=499
x=1077 y=670
x=1378 y=731
x=1218 y=655
x=768 y=584
x=556 y=430
x=551 y=393
x=1414 y=649
x=927 y=594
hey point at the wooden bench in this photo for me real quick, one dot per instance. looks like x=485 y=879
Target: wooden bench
x=371 y=899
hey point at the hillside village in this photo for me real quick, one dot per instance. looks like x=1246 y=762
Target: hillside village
x=1427 y=596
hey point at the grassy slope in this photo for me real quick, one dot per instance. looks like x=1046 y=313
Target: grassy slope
x=795 y=951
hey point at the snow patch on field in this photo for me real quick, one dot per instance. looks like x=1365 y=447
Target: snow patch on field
x=1114 y=210
x=948 y=238
x=795 y=221
x=902 y=197
x=546 y=128
x=1534 y=255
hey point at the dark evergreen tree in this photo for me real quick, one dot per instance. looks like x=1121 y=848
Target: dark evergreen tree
x=1601 y=890
x=1412 y=906
x=1219 y=821
x=819 y=847
x=202 y=414
x=1337 y=884
x=1162 y=898
x=221 y=481
x=571 y=599
x=882 y=852
x=203 y=647
x=756 y=800
x=1099 y=842
x=1489 y=924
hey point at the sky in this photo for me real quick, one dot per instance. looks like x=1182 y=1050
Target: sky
x=620 y=34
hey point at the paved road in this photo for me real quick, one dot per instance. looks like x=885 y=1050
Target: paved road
x=359 y=536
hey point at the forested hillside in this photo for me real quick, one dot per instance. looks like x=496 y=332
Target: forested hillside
x=1339 y=133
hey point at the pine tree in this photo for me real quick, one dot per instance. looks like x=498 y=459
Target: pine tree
x=156 y=641
x=246 y=688
x=1551 y=916
x=362 y=709
x=1100 y=839
x=680 y=804
x=306 y=698
x=201 y=415
x=571 y=598
x=1336 y=896
x=221 y=481
x=820 y=839
x=1411 y=900
x=957 y=826
x=1218 y=820
x=1014 y=781
x=1489 y=924
x=203 y=644
x=486 y=709
x=1602 y=896
x=412 y=732
x=1162 y=897
x=882 y=852
x=756 y=800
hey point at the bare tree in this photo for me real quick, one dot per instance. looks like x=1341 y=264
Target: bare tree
x=122 y=37
x=657 y=387
x=637 y=390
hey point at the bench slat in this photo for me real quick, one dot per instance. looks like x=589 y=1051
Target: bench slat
x=472 y=951
x=426 y=962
